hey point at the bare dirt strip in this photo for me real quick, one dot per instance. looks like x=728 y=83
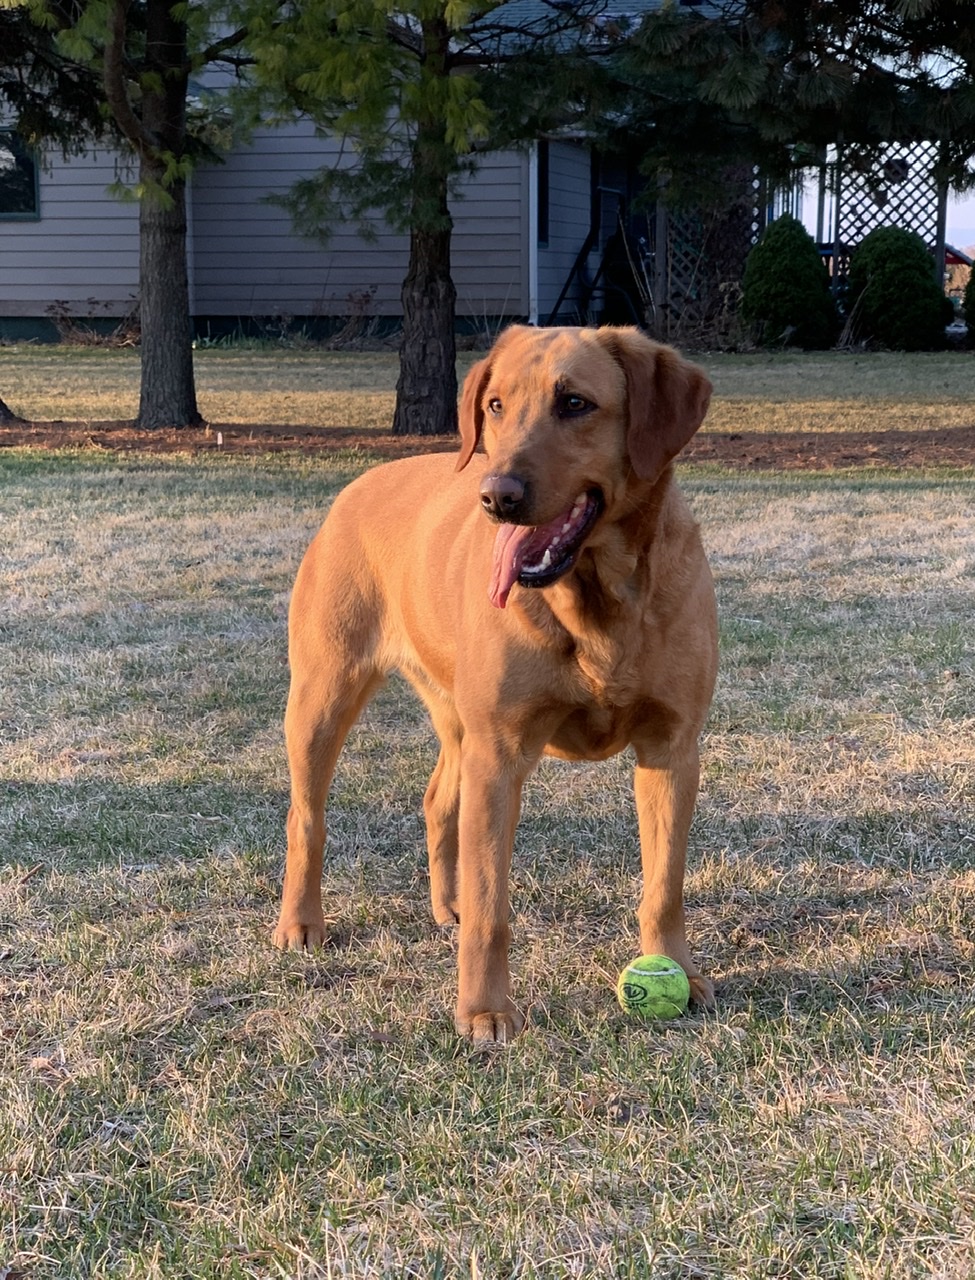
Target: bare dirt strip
x=789 y=451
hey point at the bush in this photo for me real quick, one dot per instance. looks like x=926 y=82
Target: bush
x=785 y=290
x=968 y=307
x=893 y=296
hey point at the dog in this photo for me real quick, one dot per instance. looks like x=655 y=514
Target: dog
x=546 y=592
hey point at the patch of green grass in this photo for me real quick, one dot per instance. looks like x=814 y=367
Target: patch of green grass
x=178 y=1099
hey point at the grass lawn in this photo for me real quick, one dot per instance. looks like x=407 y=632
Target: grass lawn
x=785 y=392
x=177 y=1099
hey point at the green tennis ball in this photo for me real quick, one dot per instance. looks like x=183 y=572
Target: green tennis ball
x=653 y=987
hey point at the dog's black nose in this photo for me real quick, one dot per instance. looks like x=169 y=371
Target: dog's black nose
x=502 y=497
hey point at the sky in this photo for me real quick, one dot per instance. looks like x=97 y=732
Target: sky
x=961 y=221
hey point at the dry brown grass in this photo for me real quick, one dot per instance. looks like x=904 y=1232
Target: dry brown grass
x=178 y=1099
x=787 y=392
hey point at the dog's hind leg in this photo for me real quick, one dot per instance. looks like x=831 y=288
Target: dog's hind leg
x=333 y=639
x=441 y=807
x=317 y=722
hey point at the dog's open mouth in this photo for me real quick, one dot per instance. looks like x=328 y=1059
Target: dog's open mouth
x=538 y=555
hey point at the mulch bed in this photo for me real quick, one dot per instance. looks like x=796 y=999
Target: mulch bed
x=798 y=451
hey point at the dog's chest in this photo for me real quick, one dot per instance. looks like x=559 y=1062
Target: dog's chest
x=612 y=696
x=596 y=732
x=611 y=666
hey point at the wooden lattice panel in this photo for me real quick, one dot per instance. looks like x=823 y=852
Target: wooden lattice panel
x=685 y=253
x=705 y=257
x=898 y=192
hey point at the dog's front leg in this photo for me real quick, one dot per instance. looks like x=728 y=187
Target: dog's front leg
x=666 y=790
x=490 y=799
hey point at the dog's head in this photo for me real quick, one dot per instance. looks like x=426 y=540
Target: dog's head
x=571 y=421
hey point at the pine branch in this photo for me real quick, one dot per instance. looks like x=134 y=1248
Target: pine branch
x=215 y=52
x=404 y=37
x=113 y=79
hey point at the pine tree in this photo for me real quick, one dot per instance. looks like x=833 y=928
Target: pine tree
x=137 y=57
x=419 y=91
x=773 y=82
x=45 y=97
x=8 y=415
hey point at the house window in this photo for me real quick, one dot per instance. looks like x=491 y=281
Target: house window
x=543 y=191
x=18 y=178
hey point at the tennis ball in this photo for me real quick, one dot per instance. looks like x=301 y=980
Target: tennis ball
x=653 y=987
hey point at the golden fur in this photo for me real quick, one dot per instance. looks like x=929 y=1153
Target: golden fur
x=619 y=651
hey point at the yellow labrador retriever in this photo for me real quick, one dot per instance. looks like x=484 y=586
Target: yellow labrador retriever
x=546 y=593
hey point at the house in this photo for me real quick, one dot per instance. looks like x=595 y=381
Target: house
x=547 y=235
x=553 y=233
x=70 y=246
x=537 y=237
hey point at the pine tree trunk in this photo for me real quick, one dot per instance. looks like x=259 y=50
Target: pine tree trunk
x=8 y=415
x=426 y=391
x=168 y=393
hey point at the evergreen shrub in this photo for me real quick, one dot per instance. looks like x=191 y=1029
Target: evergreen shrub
x=893 y=297
x=786 y=298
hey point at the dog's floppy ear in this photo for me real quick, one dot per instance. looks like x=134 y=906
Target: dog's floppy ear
x=471 y=415
x=667 y=399
x=470 y=418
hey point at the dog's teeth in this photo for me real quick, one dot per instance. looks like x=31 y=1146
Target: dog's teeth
x=546 y=558
x=558 y=537
x=567 y=526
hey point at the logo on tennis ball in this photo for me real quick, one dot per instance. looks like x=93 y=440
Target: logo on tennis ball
x=653 y=987
x=634 y=994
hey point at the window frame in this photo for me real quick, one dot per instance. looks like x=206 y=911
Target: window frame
x=23 y=215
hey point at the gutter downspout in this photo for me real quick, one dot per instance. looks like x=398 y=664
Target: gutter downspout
x=533 y=234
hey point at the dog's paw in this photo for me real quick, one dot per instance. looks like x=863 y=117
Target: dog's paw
x=487 y=1029
x=702 y=991
x=299 y=935
x=445 y=915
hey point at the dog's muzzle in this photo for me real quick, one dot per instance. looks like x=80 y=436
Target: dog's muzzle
x=538 y=555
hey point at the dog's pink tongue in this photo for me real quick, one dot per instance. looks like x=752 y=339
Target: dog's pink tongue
x=509 y=554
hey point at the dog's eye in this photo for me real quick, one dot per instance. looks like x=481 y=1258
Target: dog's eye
x=569 y=405
x=495 y=406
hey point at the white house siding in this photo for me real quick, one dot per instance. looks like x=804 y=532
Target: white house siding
x=569 y=214
x=244 y=259
x=490 y=240
x=247 y=260
x=83 y=250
